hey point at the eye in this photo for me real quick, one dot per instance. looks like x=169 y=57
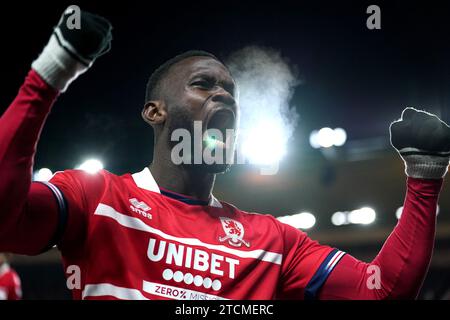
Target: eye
x=203 y=83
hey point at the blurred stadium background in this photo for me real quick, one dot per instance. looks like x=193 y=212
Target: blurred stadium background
x=351 y=78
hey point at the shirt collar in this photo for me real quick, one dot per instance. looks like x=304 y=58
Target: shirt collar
x=144 y=180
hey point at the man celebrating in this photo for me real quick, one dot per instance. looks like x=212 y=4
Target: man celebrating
x=160 y=233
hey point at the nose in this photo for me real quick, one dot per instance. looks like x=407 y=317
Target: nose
x=223 y=96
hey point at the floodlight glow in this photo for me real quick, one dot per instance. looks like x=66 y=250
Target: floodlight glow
x=313 y=141
x=340 y=137
x=264 y=144
x=364 y=215
x=325 y=137
x=91 y=166
x=304 y=220
x=339 y=218
x=398 y=212
x=43 y=174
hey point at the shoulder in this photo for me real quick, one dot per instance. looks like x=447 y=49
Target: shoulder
x=83 y=187
x=82 y=178
x=262 y=221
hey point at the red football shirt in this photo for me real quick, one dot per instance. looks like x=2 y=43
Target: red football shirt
x=134 y=240
x=10 y=287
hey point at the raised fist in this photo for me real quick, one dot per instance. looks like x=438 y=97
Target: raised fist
x=423 y=141
x=73 y=47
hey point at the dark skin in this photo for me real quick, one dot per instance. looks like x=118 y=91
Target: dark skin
x=193 y=90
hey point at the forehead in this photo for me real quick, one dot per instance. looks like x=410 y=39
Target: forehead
x=192 y=66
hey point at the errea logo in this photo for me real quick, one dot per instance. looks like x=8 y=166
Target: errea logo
x=140 y=207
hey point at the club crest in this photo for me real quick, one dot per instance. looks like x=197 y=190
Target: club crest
x=234 y=232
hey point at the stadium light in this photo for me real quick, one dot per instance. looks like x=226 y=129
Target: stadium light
x=399 y=211
x=364 y=215
x=304 y=220
x=313 y=141
x=264 y=144
x=43 y=174
x=327 y=137
x=339 y=218
x=340 y=137
x=91 y=166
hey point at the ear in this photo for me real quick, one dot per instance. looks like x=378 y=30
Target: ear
x=154 y=112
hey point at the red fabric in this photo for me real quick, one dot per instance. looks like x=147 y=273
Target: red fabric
x=301 y=261
x=28 y=215
x=139 y=246
x=404 y=259
x=107 y=251
x=10 y=286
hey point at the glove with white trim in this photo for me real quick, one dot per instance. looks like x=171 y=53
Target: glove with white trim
x=423 y=142
x=72 y=48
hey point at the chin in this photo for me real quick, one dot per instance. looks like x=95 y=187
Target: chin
x=210 y=168
x=217 y=168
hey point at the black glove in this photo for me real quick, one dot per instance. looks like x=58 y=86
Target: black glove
x=73 y=48
x=92 y=40
x=423 y=141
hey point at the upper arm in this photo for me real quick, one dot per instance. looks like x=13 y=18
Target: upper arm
x=36 y=223
x=306 y=266
x=353 y=279
x=55 y=213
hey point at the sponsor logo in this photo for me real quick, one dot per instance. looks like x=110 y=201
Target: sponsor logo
x=234 y=232
x=191 y=258
x=177 y=293
x=140 y=207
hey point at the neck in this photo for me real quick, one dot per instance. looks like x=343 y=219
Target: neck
x=179 y=179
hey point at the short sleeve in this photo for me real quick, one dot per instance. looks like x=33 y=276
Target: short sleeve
x=79 y=191
x=306 y=264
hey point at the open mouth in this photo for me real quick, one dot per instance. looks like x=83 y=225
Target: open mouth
x=221 y=120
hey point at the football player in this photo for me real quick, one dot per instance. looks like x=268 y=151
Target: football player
x=160 y=233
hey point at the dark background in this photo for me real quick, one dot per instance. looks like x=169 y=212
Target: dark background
x=352 y=77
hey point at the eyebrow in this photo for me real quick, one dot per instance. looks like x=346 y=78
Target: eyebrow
x=228 y=85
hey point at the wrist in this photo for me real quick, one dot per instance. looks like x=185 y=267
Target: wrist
x=56 y=66
x=426 y=166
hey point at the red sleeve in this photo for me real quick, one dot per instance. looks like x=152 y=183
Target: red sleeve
x=35 y=216
x=399 y=269
x=81 y=191
x=28 y=213
x=306 y=264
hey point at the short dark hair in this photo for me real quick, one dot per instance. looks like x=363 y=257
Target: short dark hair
x=154 y=82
